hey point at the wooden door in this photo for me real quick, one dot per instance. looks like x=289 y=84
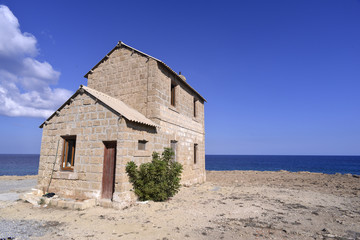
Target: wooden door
x=108 y=180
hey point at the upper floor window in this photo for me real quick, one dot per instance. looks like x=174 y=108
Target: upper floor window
x=68 y=154
x=172 y=101
x=195 y=108
x=142 y=144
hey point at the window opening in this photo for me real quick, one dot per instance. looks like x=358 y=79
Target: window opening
x=194 y=107
x=195 y=153
x=173 y=94
x=142 y=144
x=173 y=144
x=68 y=156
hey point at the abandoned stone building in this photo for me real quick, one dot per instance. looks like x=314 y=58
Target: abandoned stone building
x=134 y=104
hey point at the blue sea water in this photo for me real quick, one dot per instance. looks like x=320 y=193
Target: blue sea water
x=19 y=164
x=323 y=164
x=28 y=164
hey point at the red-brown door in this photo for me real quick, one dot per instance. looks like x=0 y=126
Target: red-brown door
x=108 y=180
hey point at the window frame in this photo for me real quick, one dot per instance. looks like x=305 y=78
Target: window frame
x=64 y=156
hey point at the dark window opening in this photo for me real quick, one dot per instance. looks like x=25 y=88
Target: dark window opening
x=173 y=86
x=142 y=145
x=195 y=153
x=194 y=107
x=68 y=154
x=173 y=144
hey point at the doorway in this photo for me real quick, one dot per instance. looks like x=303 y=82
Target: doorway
x=108 y=179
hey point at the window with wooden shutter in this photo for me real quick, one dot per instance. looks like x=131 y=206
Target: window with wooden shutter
x=68 y=154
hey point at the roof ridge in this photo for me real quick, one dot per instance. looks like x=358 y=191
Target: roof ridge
x=120 y=43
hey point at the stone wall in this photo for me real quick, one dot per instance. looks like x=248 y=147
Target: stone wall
x=92 y=123
x=143 y=84
x=179 y=123
x=125 y=75
x=184 y=96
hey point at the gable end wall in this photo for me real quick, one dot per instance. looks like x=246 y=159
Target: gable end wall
x=125 y=75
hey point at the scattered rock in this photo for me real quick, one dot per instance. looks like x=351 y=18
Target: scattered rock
x=329 y=236
x=324 y=230
x=296 y=206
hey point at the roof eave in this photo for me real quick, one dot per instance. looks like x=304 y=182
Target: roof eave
x=103 y=59
x=67 y=102
x=83 y=89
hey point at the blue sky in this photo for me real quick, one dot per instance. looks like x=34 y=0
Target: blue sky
x=280 y=77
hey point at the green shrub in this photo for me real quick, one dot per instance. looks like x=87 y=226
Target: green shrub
x=157 y=180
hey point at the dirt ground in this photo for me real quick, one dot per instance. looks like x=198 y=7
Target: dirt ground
x=230 y=205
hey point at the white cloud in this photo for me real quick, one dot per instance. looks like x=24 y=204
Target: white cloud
x=24 y=81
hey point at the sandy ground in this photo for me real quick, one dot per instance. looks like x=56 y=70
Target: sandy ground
x=230 y=205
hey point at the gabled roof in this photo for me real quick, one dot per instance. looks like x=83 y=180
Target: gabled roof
x=113 y=103
x=120 y=44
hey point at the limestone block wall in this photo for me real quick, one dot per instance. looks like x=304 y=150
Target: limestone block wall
x=179 y=123
x=184 y=97
x=127 y=150
x=143 y=84
x=186 y=138
x=91 y=123
x=125 y=75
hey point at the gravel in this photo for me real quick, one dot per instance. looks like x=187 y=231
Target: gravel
x=10 y=189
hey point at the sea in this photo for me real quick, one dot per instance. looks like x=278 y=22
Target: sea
x=28 y=164
x=291 y=163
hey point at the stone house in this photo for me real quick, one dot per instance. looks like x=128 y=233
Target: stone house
x=134 y=104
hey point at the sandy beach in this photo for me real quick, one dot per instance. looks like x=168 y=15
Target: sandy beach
x=230 y=205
